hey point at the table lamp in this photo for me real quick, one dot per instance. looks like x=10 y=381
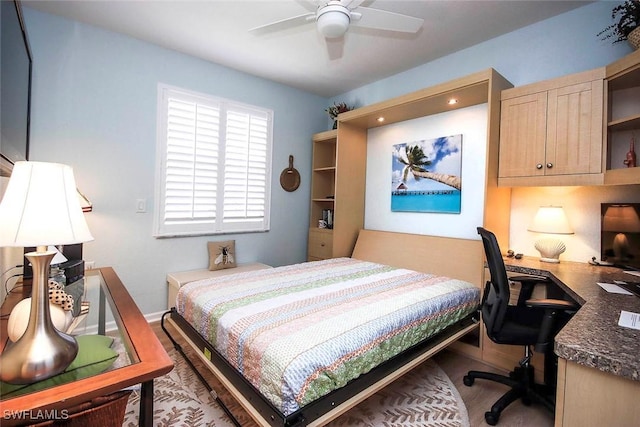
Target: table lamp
x=550 y=220
x=40 y=208
x=621 y=219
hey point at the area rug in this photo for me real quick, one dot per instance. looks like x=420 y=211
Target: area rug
x=423 y=397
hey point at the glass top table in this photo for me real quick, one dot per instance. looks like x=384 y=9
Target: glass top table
x=110 y=306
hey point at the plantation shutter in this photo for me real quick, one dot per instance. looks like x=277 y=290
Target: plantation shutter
x=245 y=166
x=215 y=165
x=192 y=161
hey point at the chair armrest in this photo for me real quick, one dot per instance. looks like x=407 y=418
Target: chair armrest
x=527 y=284
x=551 y=304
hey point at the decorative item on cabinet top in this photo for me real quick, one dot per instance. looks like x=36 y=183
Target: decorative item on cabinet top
x=634 y=38
x=290 y=177
x=627 y=24
x=336 y=109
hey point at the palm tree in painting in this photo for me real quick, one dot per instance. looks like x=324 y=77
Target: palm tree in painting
x=415 y=160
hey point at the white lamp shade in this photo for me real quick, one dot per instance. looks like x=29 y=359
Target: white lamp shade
x=40 y=207
x=551 y=220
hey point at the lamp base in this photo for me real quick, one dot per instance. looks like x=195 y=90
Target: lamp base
x=550 y=249
x=42 y=351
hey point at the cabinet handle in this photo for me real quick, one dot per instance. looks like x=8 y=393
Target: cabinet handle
x=322 y=244
x=539 y=166
x=549 y=165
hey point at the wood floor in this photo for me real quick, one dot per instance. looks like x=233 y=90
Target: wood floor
x=478 y=398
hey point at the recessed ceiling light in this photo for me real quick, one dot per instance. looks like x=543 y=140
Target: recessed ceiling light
x=380 y=119
x=452 y=101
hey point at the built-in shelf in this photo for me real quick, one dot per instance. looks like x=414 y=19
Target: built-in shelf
x=326 y=136
x=623 y=118
x=622 y=176
x=323 y=185
x=628 y=123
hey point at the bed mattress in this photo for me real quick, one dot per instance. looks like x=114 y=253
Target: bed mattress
x=298 y=332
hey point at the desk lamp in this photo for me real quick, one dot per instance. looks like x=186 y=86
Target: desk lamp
x=40 y=208
x=550 y=220
x=621 y=219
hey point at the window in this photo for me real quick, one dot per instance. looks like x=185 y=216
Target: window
x=213 y=165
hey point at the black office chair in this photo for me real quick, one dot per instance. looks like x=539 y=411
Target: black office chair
x=528 y=323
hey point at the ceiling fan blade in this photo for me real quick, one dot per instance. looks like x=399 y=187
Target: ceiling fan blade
x=285 y=23
x=352 y=4
x=385 y=20
x=310 y=5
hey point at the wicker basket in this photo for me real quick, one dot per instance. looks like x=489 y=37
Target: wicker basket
x=106 y=411
x=634 y=38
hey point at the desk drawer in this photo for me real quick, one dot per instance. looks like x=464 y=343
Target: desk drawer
x=320 y=243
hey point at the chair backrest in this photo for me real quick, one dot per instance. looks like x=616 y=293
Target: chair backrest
x=496 y=292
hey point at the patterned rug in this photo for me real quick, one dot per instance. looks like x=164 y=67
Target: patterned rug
x=423 y=397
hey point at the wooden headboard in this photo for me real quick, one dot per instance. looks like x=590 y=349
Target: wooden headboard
x=445 y=256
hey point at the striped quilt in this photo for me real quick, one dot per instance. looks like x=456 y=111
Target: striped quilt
x=300 y=331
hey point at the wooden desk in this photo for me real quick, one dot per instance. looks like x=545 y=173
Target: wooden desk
x=599 y=361
x=149 y=359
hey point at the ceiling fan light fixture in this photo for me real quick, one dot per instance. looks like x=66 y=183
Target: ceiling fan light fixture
x=333 y=21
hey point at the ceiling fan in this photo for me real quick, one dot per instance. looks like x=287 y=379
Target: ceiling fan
x=334 y=17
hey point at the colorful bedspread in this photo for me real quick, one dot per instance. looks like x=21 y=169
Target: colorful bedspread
x=299 y=331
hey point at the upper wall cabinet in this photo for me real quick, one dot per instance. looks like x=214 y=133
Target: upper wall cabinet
x=623 y=118
x=551 y=132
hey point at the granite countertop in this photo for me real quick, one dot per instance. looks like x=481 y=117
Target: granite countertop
x=592 y=337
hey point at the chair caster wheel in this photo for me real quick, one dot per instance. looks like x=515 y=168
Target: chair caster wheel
x=491 y=418
x=467 y=380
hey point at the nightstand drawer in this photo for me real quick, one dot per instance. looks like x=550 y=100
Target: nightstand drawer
x=320 y=243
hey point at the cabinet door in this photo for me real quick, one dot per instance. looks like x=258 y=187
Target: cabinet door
x=574 y=129
x=320 y=244
x=522 y=135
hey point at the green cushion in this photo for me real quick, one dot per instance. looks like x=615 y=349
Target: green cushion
x=95 y=355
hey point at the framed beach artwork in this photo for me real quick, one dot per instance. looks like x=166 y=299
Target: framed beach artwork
x=426 y=175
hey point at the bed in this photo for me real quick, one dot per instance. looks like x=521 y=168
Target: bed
x=301 y=344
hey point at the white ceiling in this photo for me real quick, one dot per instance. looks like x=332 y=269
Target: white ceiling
x=217 y=31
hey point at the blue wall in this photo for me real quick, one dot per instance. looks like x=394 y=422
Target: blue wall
x=94 y=108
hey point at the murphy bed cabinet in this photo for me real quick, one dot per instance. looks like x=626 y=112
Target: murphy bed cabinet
x=623 y=118
x=551 y=132
x=339 y=166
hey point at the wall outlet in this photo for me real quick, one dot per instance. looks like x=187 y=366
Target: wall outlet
x=89 y=265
